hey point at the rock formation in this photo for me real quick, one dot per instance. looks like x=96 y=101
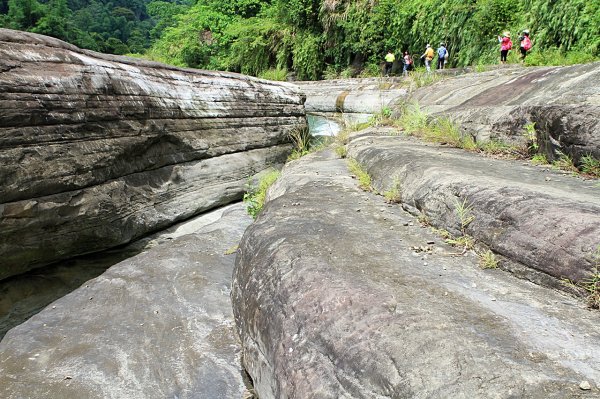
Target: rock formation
x=158 y=325
x=337 y=294
x=563 y=102
x=352 y=97
x=96 y=150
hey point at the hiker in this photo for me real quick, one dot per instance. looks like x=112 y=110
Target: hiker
x=428 y=56
x=525 y=44
x=389 y=62
x=505 y=46
x=442 y=55
x=408 y=64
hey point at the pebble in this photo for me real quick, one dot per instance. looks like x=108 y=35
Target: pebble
x=474 y=285
x=548 y=178
x=357 y=209
x=585 y=386
x=430 y=242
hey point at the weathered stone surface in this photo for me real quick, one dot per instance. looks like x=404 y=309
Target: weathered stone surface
x=332 y=300
x=563 y=102
x=352 y=96
x=96 y=150
x=537 y=217
x=158 y=325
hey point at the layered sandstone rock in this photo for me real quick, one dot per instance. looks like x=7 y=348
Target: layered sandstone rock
x=158 y=325
x=353 y=97
x=338 y=294
x=562 y=102
x=96 y=150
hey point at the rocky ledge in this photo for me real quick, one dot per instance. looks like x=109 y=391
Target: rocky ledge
x=562 y=102
x=338 y=294
x=158 y=325
x=96 y=150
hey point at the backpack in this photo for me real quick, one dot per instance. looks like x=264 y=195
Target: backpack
x=526 y=43
x=509 y=45
x=441 y=52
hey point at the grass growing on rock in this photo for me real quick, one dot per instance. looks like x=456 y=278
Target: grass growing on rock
x=590 y=166
x=256 y=194
x=393 y=194
x=488 y=260
x=363 y=177
x=592 y=283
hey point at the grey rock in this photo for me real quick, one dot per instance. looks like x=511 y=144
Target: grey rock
x=348 y=313
x=561 y=101
x=549 y=225
x=158 y=325
x=358 y=97
x=96 y=150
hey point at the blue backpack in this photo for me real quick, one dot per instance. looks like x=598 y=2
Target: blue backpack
x=442 y=52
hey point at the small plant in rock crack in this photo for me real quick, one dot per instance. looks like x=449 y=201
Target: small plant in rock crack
x=364 y=179
x=530 y=135
x=565 y=162
x=488 y=260
x=393 y=194
x=424 y=219
x=341 y=151
x=592 y=283
x=590 y=166
x=301 y=139
x=256 y=195
x=539 y=159
x=464 y=213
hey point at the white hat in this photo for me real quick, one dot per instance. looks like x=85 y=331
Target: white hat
x=428 y=45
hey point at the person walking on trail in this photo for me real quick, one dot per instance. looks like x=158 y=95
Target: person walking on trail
x=408 y=64
x=442 y=54
x=389 y=62
x=525 y=44
x=428 y=56
x=505 y=46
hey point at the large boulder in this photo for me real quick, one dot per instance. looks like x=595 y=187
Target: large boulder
x=158 y=325
x=96 y=150
x=562 y=102
x=337 y=294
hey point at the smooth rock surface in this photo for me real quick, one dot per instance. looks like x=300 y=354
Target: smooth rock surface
x=337 y=294
x=158 y=325
x=97 y=150
x=352 y=96
x=534 y=216
x=563 y=102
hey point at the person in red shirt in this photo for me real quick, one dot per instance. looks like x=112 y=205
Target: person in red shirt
x=505 y=46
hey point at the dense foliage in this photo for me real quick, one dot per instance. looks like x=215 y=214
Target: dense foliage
x=110 y=26
x=313 y=38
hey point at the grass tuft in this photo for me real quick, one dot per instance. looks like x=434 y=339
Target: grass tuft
x=393 y=194
x=256 y=195
x=590 y=166
x=364 y=179
x=565 y=162
x=488 y=260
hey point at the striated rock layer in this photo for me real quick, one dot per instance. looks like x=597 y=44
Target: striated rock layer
x=96 y=150
x=158 y=325
x=563 y=102
x=337 y=294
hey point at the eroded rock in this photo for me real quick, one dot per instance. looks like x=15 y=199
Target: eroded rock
x=96 y=150
x=333 y=303
x=158 y=325
x=562 y=102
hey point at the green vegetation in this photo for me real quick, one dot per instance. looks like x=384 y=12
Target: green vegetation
x=256 y=194
x=590 y=166
x=117 y=26
x=393 y=195
x=301 y=139
x=539 y=159
x=341 y=151
x=592 y=283
x=488 y=260
x=313 y=38
x=364 y=179
x=413 y=119
x=565 y=162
